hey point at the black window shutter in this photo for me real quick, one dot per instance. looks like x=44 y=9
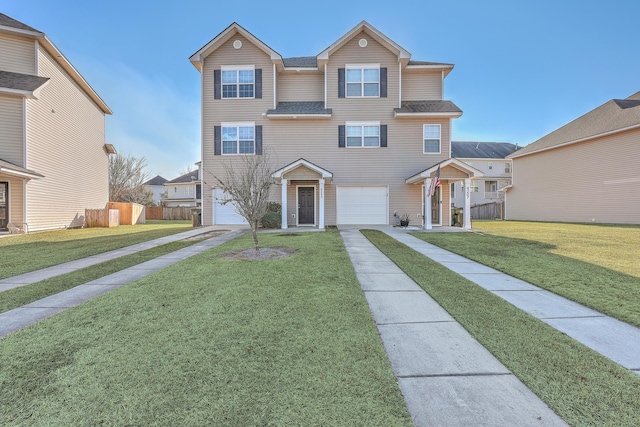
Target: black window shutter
x=217 y=85
x=258 y=80
x=259 y=139
x=383 y=135
x=383 y=82
x=217 y=140
x=341 y=136
x=341 y=82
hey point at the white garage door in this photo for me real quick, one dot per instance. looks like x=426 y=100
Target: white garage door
x=362 y=205
x=225 y=214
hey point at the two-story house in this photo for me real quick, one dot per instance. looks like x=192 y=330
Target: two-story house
x=156 y=185
x=53 y=156
x=185 y=190
x=490 y=159
x=355 y=134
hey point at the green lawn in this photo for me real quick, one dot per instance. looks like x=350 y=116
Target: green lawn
x=211 y=341
x=594 y=265
x=583 y=387
x=29 y=252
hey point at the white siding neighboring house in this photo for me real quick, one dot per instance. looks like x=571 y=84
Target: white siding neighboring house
x=53 y=156
x=586 y=171
x=490 y=158
x=186 y=190
x=156 y=184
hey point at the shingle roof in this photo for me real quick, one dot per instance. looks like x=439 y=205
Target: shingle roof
x=10 y=167
x=307 y=107
x=21 y=81
x=481 y=150
x=187 y=177
x=156 y=180
x=412 y=62
x=301 y=62
x=7 y=21
x=434 y=106
x=611 y=116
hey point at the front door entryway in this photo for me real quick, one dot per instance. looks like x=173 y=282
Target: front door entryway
x=4 y=205
x=435 y=206
x=306 y=207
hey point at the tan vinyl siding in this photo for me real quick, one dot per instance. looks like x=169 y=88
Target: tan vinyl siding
x=300 y=87
x=16 y=199
x=65 y=138
x=12 y=130
x=421 y=86
x=17 y=55
x=593 y=181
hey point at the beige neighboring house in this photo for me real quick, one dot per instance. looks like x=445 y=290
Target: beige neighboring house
x=586 y=171
x=355 y=133
x=53 y=156
x=185 y=190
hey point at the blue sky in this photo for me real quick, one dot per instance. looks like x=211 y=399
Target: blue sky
x=522 y=68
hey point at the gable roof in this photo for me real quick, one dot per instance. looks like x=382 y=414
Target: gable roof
x=302 y=163
x=21 y=84
x=187 y=177
x=156 y=180
x=13 y=26
x=613 y=116
x=481 y=150
x=455 y=163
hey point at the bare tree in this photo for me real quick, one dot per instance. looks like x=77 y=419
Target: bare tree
x=246 y=184
x=126 y=177
x=185 y=170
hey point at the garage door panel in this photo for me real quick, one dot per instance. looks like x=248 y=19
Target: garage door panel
x=362 y=205
x=225 y=214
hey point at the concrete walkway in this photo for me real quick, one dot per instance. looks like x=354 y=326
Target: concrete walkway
x=19 y=318
x=447 y=378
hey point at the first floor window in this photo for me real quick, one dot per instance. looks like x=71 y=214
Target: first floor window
x=453 y=190
x=473 y=187
x=363 y=135
x=491 y=189
x=431 y=135
x=238 y=140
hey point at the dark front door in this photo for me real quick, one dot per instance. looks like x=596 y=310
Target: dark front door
x=4 y=205
x=305 y=205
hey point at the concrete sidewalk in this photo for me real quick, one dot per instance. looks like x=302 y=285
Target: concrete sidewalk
x=447 y=378
x=19 y=318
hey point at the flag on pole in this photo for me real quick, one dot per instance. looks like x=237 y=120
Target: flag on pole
x=435 y=183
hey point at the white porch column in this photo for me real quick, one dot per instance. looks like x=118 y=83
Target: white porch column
x=284 y=225
x=321 y=207
x=427 y=205
x=467 y=204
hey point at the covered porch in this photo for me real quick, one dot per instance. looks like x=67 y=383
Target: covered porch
x=13 y=185
x=445 y=172
x=303 y=194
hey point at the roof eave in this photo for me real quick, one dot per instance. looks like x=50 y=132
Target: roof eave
x=298 y=116
x=32 y=34
x=21 y=174
x=442 y=114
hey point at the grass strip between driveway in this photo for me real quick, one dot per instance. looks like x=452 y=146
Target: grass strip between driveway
x=17 y=297
x=580 y=385
x=567 y=259
x=210 y=341
x=30 y=252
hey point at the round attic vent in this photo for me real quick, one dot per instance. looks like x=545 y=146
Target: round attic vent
x=237 y=44
x=362 y=43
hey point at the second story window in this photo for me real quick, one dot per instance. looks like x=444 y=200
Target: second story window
x=363 y=135
x=507 y=167
x=363 y=81
x=238 y=139
x=431 y=137
x=238 y=82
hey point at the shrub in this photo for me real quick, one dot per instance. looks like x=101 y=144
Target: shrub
x=273 y=217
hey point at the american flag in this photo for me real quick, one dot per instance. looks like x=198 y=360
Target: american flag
x=435 y=182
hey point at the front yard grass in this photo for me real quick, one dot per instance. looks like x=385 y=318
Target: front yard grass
x=580 y=385
x=210 y=341
x=29 y=252
x=594 y=265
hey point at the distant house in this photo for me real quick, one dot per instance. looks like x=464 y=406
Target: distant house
x=156 y=184
x=53 y=156
x=585 y=171
x=490 y=158
x=185 y=190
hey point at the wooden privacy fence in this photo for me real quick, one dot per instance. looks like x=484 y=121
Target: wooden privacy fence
x=130 y=213
x=492 y=210
x=101 y=218
x=175 y=213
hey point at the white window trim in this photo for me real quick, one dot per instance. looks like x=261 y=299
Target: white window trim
x=237 y=68
x=507 y=167
x=439 y=138
x=361 y=124
x=360 y=67
x=237 y=124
